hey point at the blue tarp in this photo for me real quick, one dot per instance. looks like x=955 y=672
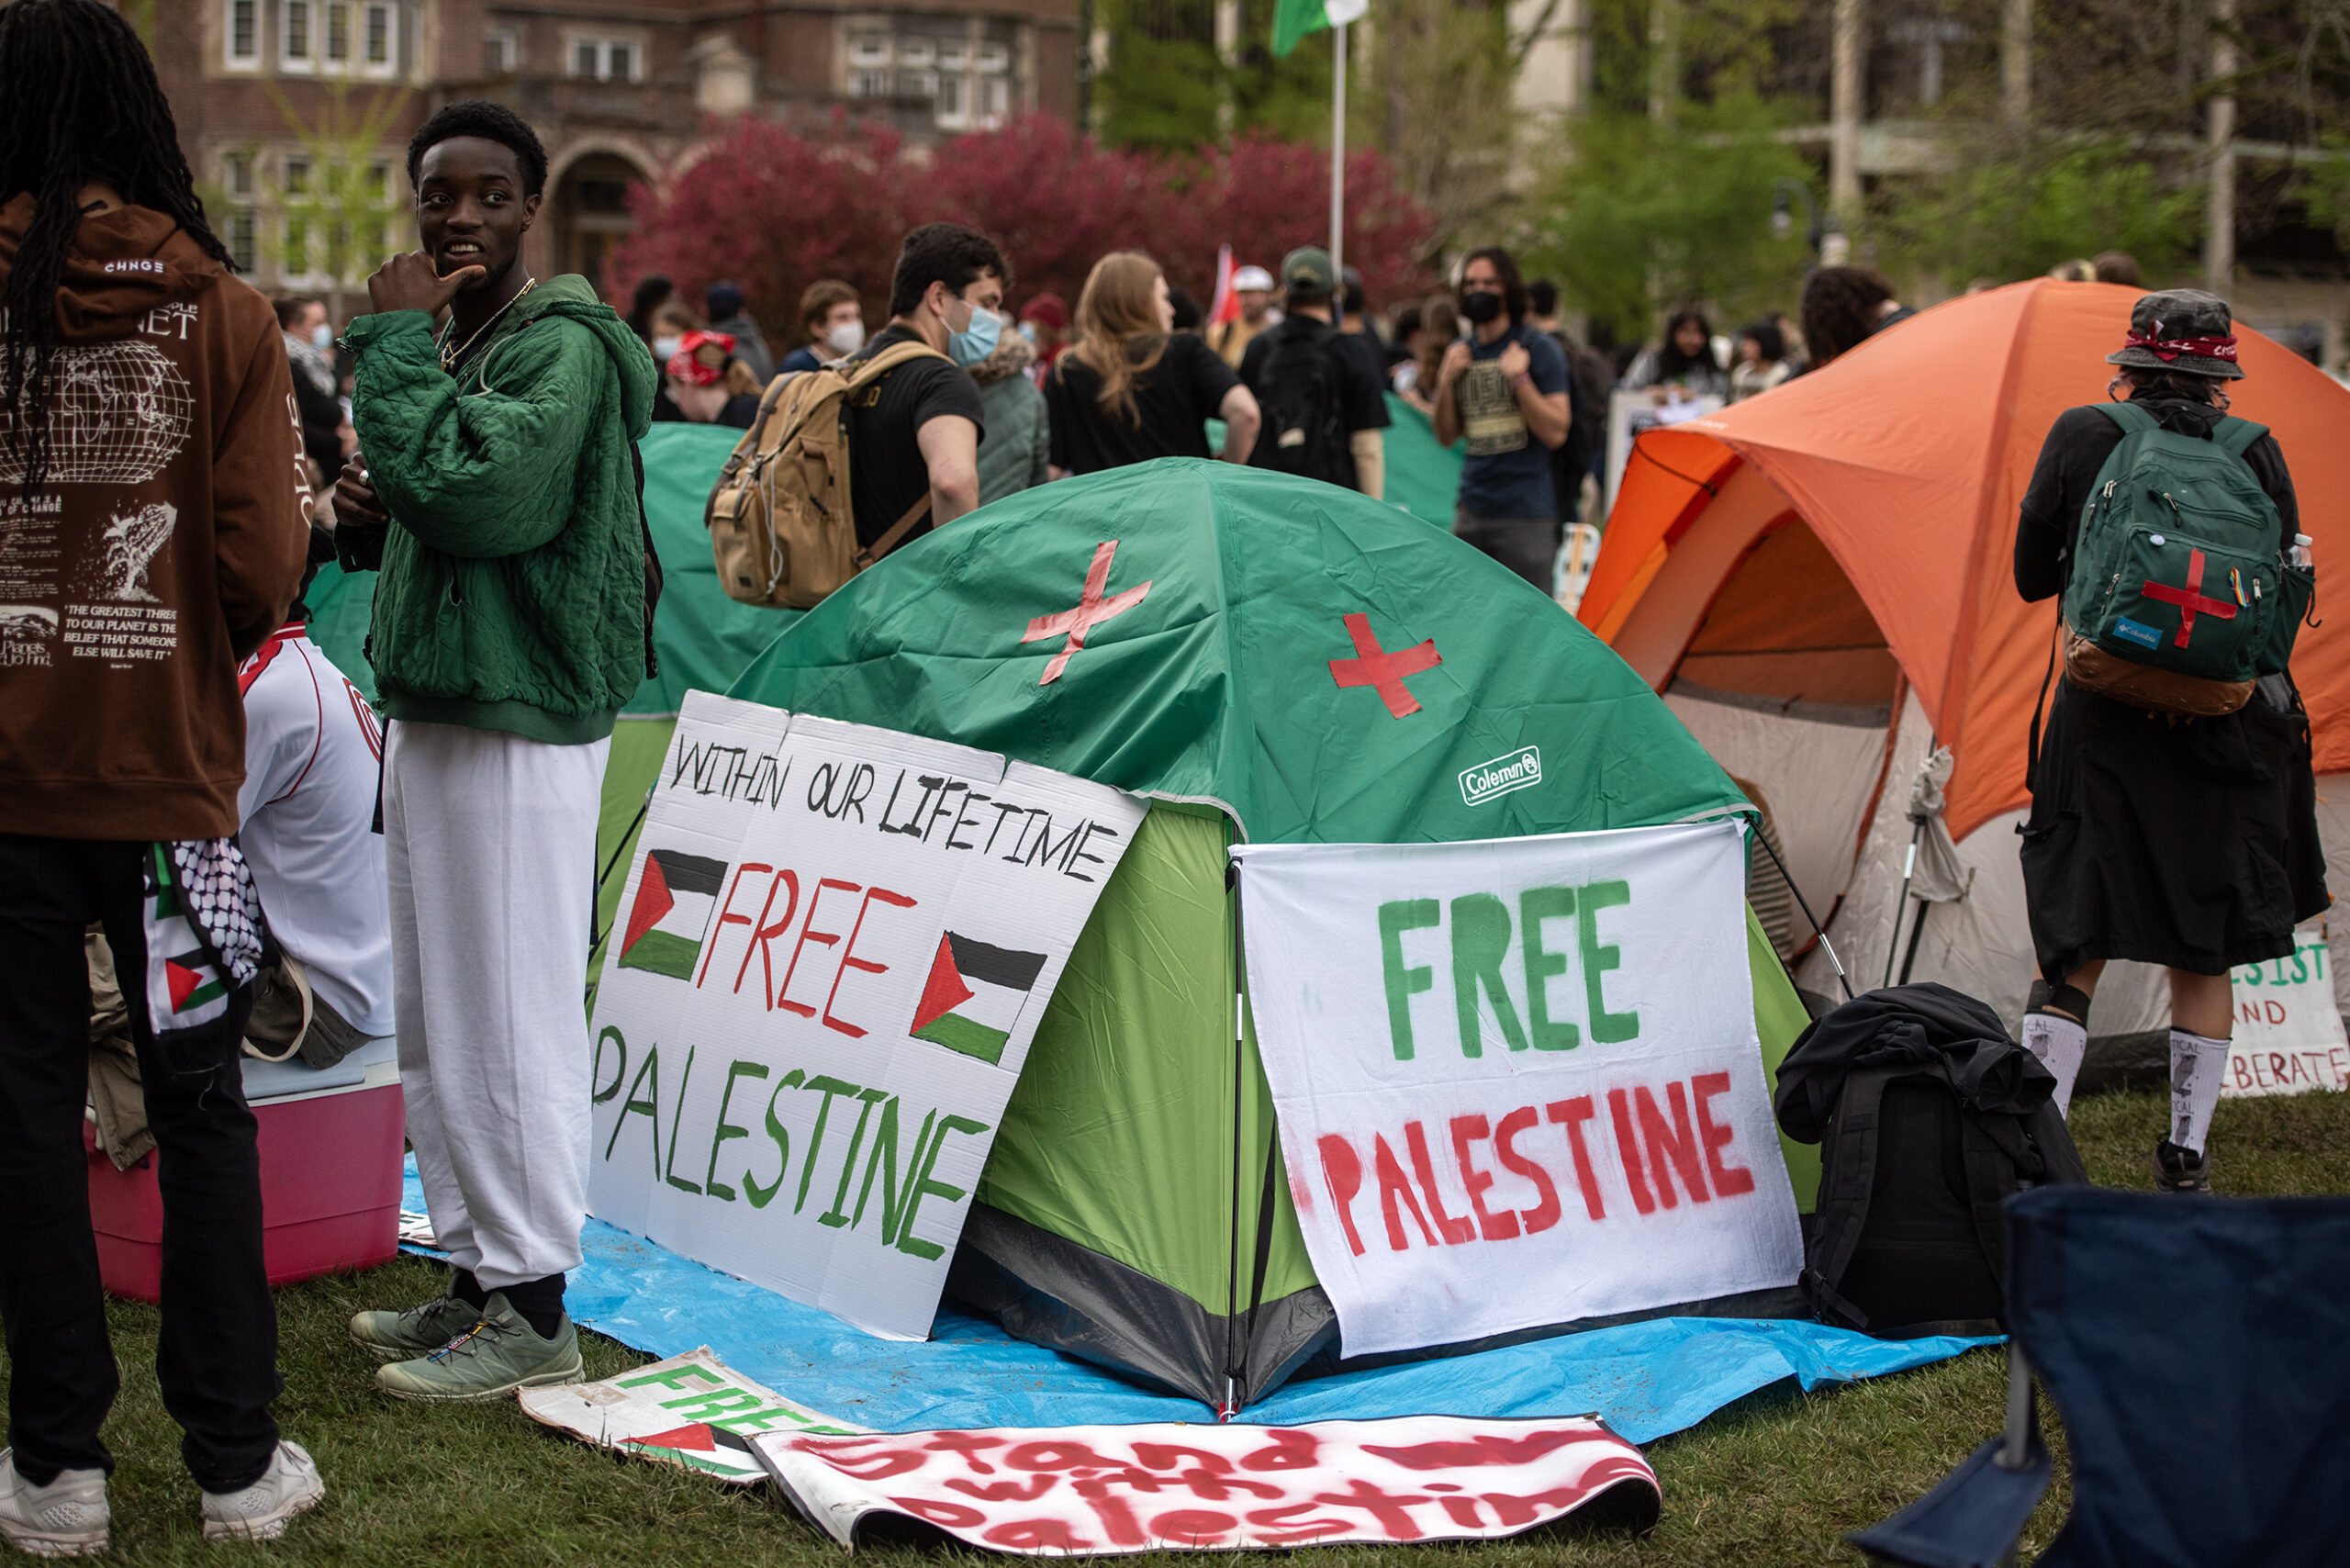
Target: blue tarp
x=1644 y=1379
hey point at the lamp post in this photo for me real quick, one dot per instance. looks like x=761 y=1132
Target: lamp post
x=1786 y=191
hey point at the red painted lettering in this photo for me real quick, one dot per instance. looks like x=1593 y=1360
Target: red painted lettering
x=1571 y=1114
x=849 y=961
x=726 y=917
x=1466 y=1130
x=1730 y=1180
x=1456 y=1231
x=1671 y=1148
x=875 y=1465
x=1118 y=1520
x=808 y=932
x=1342 y=1172
x=1038 y=1535
x=1393 y=1185
x=1005 y=1491
x=1392 y=1512
x=1480 y=1450
x=950 y=1513
x=1057 y=1456
x=1463 y=1509
x=1300 y=1529
x=762 y=933
x=1192 y=1527
x=1169 y=1456
x=1628 y=1150
x=1287 y=1450
x=1544 y=1214
x=969 y=1445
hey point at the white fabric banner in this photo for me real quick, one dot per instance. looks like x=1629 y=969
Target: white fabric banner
x=833 y=951
x=1518 y=1080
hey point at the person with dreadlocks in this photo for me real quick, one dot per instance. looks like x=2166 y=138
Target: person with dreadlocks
x=497 y=491
x=153 y=523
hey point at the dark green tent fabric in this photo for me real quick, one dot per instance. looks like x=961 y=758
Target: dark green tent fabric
x=1269 y=658
x=1422 y=477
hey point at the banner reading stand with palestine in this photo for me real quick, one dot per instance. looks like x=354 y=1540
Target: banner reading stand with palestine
x=1518 y=1080
x=833 y=951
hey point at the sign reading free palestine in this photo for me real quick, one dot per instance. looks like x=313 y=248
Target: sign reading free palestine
x=1518 y=1080
x=832 y=953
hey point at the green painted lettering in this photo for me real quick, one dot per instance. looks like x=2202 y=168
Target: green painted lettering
x=1480 y=943
x=718 y=1135
x=674 y=1377
x=1535 y=905
x=677 y=1114
x=908 y=1242
x=1403 y=984
x=831 y=1089
x=649 y=1109
x=762 y=1195
x=1607 y=1028
x=596 y=1064
x=838 y=1216
x=884 y=1161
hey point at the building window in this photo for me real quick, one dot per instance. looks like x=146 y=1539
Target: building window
x=242 y=252
x=917 y=53
x=379 y=37
x=995 y=98
x=605 y=59
x=868 y=49
x=297 y=53
x=298 y=177
x=244 y=32
x=869 y=84
x=236 y=173
x=917 y=83
x=499 y=54
x=953 y=54
x=338 y=30
x=995 y=55
x=297 y=261
x=953 y=99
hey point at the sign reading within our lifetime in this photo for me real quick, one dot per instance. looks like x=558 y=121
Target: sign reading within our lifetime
x=1517 y=1081
x=832 y=953
x=2289 y=1035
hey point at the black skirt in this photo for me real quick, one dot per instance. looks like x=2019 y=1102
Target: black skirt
x=2189 y=843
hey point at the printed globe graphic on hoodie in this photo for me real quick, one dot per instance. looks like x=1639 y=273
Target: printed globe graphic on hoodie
x=119 y=412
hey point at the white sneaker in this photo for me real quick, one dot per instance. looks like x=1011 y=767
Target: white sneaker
x=290 y=1485
x=68 y=1518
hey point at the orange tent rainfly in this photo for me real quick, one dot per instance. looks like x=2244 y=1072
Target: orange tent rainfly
x=1839 y=549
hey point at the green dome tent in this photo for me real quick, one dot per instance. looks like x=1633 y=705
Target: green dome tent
x=1268 y=659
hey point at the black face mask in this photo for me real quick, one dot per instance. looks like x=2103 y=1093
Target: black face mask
x=1481 y=305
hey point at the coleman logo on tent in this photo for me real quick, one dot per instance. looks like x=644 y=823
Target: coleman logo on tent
x=674 y=902
x=1374 y=666
x=974 y=996
x=1518 y=770
x=1090 y=610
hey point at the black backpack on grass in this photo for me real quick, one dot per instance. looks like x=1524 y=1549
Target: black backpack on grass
x=1928 y=1118
x=1304 y=431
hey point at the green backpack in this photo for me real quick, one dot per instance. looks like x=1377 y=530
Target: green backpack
x=2180 y=564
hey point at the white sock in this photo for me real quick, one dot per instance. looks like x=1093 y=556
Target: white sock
x=2197 y=1065
x=2060 y=1044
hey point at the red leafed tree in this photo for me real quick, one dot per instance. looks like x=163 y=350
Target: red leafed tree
x=774 y=209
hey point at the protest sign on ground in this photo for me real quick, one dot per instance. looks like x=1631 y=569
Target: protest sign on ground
x=834 y=949
x=1518 y=1080
x=1057 y=1490
x=2289 y=1035
x=691 y=1410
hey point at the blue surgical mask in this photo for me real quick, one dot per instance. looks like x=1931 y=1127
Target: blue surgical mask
x=979 y=340
x=322 y=336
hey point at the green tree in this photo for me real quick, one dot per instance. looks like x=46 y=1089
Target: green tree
x=2012 y=207
x=340 y=210
x=1645 y=214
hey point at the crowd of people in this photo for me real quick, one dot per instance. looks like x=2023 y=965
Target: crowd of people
x=215 y=849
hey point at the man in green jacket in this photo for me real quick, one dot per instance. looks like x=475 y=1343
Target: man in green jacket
x=497 y=491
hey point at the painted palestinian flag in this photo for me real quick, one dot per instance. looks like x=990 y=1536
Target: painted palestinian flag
x=675 y=899
x=974 y=996
x=704 y=1447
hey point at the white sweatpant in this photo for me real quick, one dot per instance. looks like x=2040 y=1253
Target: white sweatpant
x=489 y=854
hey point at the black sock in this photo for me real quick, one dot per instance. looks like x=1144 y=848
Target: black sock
x=540 y=1303
x=466 y=1288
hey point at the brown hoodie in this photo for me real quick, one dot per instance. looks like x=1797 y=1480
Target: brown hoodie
x=165 y=544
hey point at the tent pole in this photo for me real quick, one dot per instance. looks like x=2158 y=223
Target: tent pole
x=1901 y=907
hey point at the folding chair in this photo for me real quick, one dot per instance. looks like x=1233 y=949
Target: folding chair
x=2198 y=1350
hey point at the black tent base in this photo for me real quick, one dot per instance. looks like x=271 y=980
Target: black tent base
x=1052 y=1291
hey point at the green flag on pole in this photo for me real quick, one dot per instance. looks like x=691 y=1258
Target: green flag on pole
x=1293 y=19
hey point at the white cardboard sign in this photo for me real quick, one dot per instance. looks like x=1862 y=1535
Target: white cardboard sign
x=691 y=1410
x=1518 y=1080
x=832 y=953
x=2289 y=1035
x=1059 y=1491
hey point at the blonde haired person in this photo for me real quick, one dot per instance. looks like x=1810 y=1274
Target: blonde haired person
x=1131 y=388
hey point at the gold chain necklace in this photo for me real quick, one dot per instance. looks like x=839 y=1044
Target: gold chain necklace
x=451 y=357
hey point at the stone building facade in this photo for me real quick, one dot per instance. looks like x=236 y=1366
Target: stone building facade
x=296 y=114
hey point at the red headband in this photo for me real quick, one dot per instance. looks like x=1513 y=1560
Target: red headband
x=2168 y=349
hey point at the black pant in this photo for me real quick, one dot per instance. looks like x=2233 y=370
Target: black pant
x=1528 y=546
x=218 y=1359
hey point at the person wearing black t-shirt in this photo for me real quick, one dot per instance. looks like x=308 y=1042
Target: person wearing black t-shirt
x=917 y=430
x=1357 y=379
x=1132 y=388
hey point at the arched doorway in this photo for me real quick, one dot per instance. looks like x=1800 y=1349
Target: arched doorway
x=592 y=213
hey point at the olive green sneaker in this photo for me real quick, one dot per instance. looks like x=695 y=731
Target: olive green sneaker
x=397 y=1336
x=498 y=1355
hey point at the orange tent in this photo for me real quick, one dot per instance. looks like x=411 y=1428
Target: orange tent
x=1853 y=529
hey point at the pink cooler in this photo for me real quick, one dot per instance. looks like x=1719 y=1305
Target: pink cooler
x=332 y=1145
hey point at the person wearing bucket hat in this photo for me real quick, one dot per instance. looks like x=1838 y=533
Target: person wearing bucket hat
x=2183 y=839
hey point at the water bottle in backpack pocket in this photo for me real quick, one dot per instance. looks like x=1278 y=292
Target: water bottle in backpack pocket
x=2179 y=594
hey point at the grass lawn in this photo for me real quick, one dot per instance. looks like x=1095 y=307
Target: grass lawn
x=1775 y=1478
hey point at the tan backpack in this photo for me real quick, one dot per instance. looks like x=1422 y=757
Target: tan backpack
x=781 y=523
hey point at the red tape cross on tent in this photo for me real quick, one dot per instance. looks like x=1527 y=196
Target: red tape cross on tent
x=1090 y=612
x=2190 y=600
x=1374 y=666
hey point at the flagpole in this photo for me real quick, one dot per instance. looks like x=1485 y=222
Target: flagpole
x=1338 y=156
